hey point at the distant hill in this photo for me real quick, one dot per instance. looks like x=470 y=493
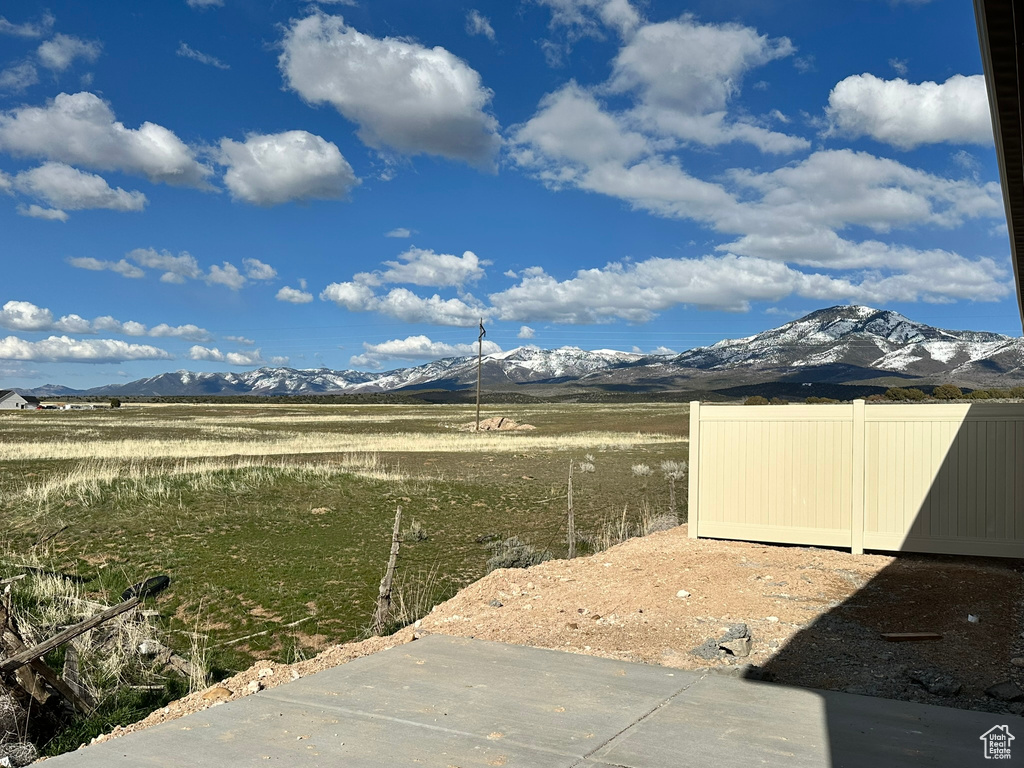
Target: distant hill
x=839 y=349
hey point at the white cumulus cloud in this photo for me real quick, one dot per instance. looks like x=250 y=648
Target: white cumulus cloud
x=907 y=115
x=176 y=269
x=242 y=358
x=80 y=129
x=402 y=95
x=525 y=332
x=227 y=275
x=64 y=349
x=294 y=295
x=415 y=348
x=405 y=305
x=400 y=232
x=60 y=51
x=283 y=167
x=189 y=331
x=122 y=267
x=419 y=266
x=38 y=212
x=26 y=316
x=64 y=187
x=684 y=74
x=257 y=270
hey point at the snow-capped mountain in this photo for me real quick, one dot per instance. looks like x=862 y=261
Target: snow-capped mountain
x=856 y=336
x=838 y=345
x=262 y=381
x=501 y=369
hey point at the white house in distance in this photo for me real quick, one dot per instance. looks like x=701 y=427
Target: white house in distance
x=12 y=401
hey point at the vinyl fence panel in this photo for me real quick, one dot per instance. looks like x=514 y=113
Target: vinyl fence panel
x=923 y=478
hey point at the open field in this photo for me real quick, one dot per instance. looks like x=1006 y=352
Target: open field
x=275 y=520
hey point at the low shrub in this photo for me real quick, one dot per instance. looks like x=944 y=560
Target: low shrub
x=513 y=552
x=902 y=395
x=947 y=392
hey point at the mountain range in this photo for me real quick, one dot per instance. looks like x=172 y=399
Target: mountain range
x=843 y=348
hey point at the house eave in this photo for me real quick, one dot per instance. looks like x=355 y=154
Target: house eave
x=1000 y=34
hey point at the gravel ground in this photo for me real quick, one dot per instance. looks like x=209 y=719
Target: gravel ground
x=814 y=617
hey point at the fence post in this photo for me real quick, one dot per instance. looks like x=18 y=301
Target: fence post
x=858 y=498
x=692 y=510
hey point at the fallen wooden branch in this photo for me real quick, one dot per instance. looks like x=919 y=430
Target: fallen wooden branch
x=5 y=582
x=11 y=643
x=38 y=651
x=83 y=703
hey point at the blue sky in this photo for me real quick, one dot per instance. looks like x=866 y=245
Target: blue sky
x=223 y=184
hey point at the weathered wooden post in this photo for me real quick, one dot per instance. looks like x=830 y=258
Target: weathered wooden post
x=572 y=517
x=383 y=613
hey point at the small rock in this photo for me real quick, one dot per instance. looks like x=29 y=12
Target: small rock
x=217 y=693
x=707 y=650
x=254 y=687
x=738 y=647
x=682 y=593
x=495 y=603
x=1018 y=662
x=265 y=672
x=934 y=682
x=1005 y=691
x=734 y=632
x=149 y=648
x=772 y=619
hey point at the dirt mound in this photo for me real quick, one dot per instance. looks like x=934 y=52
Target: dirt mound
x=497 y=424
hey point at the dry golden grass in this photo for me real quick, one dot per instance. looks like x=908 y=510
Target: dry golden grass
x=323 y=442
x=137 y=480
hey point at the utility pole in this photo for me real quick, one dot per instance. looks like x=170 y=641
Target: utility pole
x=479 y=368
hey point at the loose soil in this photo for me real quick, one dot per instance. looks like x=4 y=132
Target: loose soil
x=815 y=617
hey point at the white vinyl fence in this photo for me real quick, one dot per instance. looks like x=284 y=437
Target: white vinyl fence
x=918 y=478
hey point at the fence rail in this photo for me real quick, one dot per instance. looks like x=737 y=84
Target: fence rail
x=921 y=478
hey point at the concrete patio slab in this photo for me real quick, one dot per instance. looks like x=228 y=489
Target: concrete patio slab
x=447 y=701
